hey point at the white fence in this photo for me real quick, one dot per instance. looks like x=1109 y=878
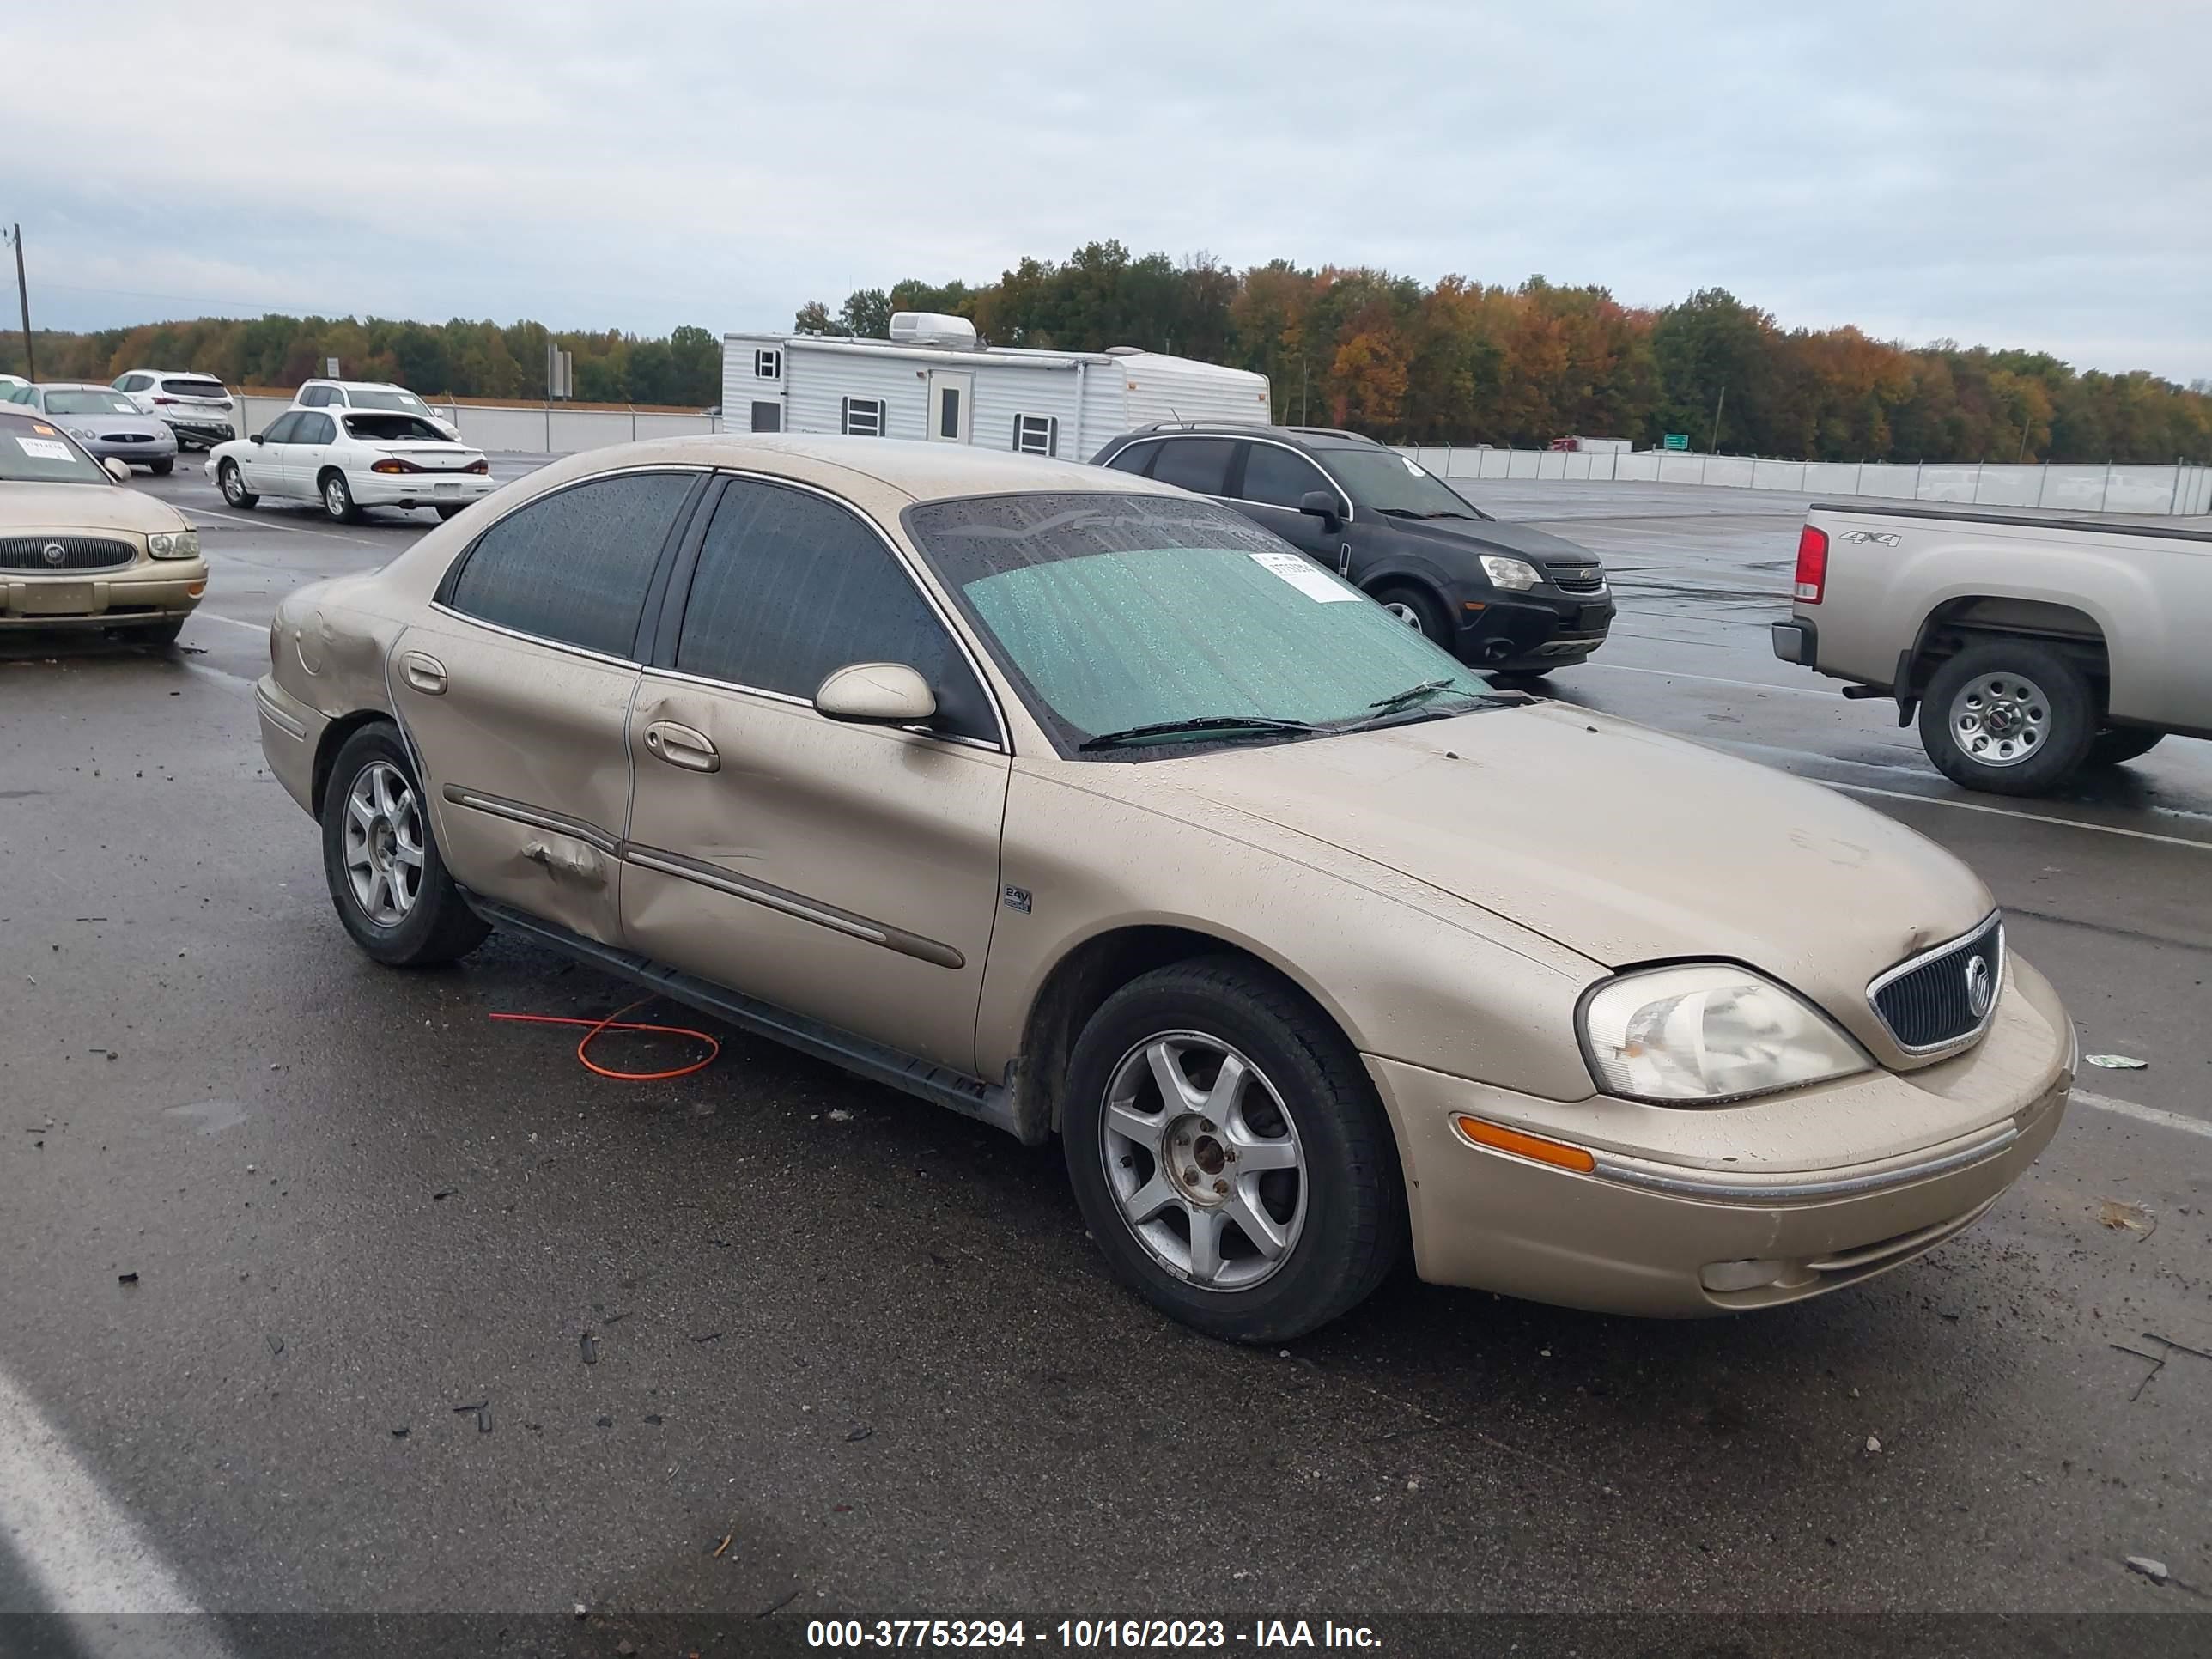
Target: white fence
x=528 y=430
x=2158 y=490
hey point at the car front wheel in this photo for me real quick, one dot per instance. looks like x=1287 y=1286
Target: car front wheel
x=1417 y=610
x=381 y=861
x=1229 y=1153
x=233 y=483
x=163 y=469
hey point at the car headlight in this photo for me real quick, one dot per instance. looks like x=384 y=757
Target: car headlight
x=174 y=545
x=1517 y=575
x=1708 y=1032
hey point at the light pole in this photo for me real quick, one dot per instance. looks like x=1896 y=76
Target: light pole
x=23 y=293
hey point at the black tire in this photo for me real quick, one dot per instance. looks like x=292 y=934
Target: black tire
x=159 y=633
x=1353 y=1196
x=2116 y=746
x=336 y=497
x=1419 y=609
x=438 y=925
x=451 y=510
x=2063 y=708
x=232 y=481
x=163 y=469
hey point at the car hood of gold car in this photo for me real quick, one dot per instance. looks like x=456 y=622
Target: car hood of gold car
x=28 y=508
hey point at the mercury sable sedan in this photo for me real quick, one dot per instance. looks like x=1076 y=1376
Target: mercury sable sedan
x=1089 y=809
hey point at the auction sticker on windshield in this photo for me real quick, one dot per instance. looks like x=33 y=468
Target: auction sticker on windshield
x=46 y=449
x=1315 y=586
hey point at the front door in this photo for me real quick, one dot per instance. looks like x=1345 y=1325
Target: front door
x=303 y=456
x=846 y=873
x=951 y=398
x=262 y=465
x=1275 y=480
x=515 y=691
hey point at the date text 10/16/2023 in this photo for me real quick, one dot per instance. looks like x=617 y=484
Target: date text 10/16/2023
x=1086 y=1634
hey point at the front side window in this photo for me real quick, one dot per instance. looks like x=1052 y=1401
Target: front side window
x=1198 y=465
x=1382 y=480
x=1274 y=477
x=1115 y=611
x=791 y=587
x=863 y=417
x=1037 y=434
x=573 y=567
x=282 y=429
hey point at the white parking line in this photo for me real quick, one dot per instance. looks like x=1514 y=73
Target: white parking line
x=1715 y=679
x=2008 y=812
x=261 y=628
x=2164 y=1120
x=83 y=1552
x=278 y=524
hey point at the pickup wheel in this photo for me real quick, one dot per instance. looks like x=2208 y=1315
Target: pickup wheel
x=2118 y=744
x=2012 y=717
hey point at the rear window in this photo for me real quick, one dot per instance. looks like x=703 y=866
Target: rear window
x=394 y=428
x=182 y=387
x=386 y=397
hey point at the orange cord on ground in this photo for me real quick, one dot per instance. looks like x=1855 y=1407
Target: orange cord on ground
x=615 y=1021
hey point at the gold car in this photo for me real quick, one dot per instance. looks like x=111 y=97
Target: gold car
x=78 y=551
x=1088 y=808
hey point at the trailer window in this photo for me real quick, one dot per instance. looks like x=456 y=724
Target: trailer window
x=767 y=365
x=1037 y=434
x=864 y=417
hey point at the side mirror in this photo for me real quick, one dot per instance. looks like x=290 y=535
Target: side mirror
x=876 y=694
x=1322 y=505
x=260 y=438
x=115 y=470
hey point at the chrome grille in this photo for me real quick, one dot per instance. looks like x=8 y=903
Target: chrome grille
x=78 y=553
x=1927 y=1003
x=1578 y=579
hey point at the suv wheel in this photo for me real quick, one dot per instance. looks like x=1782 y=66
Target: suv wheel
x=1419 y=611
x=2014 y=717
x=390 y=885
x=1229 y=1154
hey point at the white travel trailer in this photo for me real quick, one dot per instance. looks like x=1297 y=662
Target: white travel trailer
x=932 y=379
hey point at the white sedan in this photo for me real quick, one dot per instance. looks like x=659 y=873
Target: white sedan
x=348 y=459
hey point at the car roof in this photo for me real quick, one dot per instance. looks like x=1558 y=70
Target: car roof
x=1302 y=437
x=74 y=385
x=364 y=386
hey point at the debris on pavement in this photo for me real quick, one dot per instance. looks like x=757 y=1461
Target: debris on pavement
x=722 y=1548
x=2118 y=1062
x=1872 y=1444
x=126 y=1278
x=398 y=1431
x=275 y=1343
x=858 y=1432
x=482 y=1410
x=591 y=1347
x=581 y=1611
x=2154 y=1570
x=2116 y=1213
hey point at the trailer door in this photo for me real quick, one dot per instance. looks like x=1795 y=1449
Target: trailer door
x=952 y=404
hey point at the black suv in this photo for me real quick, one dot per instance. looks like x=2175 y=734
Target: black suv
x=1498 y=596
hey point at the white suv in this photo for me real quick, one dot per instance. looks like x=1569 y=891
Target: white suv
x=370 y=394
x=197 y=408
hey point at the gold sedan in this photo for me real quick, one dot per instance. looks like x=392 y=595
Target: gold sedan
x=1089 y=809
x=78 y=550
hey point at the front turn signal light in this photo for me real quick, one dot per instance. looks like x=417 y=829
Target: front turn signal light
x=1499 y=1138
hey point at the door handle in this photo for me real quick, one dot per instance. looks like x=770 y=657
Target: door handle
x=425 y=673
x=679 y=745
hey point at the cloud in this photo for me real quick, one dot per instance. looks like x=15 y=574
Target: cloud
x=2027 y=174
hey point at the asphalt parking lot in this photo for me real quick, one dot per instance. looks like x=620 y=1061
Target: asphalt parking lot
x=428 y=1318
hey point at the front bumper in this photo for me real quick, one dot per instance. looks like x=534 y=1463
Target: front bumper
x=1691 y=1227
x=418 y=489
x=1531 y=632
x=141 y=593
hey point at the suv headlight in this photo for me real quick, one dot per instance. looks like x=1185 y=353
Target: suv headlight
x=1515 y=576
x=178 y=545
x=1708 y=1032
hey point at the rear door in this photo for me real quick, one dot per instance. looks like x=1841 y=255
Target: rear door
x=516 y=690
x=846 y=873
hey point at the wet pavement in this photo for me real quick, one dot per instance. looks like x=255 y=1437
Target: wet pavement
x=428 y=1317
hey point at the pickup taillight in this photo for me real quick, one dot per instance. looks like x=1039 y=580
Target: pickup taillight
x=1812 y=564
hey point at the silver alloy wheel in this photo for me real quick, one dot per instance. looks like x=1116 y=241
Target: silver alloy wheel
x=1407 y=614
x=232 y=486
x=2000 y=719
x=334 y=497
x=1204 y=1161
x=383 y=844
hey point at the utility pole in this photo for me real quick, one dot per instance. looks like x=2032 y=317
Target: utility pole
x=1301 y=390
x=1712 y=445
x=23 y=293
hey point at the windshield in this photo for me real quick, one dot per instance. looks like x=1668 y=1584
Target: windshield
x=1117 y=611
x=31 y=452
x=1384 y=480
x=386 y=397
x=89 y=402
x=394 y=428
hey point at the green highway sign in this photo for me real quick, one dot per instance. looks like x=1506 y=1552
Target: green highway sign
x=1677 y=440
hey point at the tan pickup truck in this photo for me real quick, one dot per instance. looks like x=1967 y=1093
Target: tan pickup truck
x=2029 y=646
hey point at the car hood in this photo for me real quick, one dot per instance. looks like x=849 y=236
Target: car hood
x=27 y=507
x=1475 y=536
x=1623 y=845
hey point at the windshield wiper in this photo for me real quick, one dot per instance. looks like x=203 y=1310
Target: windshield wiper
x=1412 y=694
x=1258 y=725
x=1398 y=702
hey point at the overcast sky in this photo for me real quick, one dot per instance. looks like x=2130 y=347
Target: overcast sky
x=2026 y=173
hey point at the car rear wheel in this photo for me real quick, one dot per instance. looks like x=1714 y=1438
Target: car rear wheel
x=232 y=481
x=2118 y=744
x=381 y=860
x=1229 y=1154
x=338 y=499
x=163 y=469
x=2014 y=717
x=1417 y=610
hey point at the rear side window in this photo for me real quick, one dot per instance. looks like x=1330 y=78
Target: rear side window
x=314 y=429
x=1137 y=457
x=314 y=397
x=574 y=565
x=1199 y=465
x=790 y=588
